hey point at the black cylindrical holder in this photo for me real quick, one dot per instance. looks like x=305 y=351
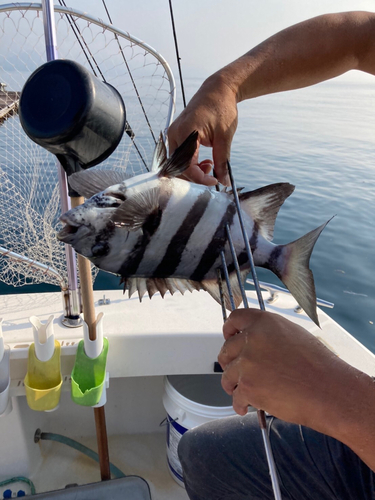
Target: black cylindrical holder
x=72 y=114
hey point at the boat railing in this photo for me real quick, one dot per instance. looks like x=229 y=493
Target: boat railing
x=274 y=291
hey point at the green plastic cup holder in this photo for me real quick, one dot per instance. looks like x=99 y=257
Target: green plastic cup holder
x=43 y=380
x=89 y=376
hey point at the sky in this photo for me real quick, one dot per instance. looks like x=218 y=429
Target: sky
x=211 y=33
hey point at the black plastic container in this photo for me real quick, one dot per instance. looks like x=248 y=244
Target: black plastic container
x=73 y=114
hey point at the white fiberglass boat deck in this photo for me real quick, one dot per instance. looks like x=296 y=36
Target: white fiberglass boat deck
x=174 y=335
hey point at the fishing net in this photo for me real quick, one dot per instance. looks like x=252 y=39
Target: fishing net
x=29 y=194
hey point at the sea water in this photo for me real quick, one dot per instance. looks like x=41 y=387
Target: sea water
x=322 y=140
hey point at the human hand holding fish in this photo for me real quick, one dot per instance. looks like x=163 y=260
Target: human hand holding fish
x=213 y=113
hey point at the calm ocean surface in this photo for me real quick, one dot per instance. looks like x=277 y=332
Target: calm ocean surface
x=322 y=140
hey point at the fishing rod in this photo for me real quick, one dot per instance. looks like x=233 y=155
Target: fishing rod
x=177 y=53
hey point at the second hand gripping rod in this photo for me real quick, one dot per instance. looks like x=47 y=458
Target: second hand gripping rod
x=261 y=414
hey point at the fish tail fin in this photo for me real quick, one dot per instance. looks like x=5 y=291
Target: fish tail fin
x=292 y=267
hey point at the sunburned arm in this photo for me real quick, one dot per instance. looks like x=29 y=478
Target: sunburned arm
x=304 y=54
x=277 y=366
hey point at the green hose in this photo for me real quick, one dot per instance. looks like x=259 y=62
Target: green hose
x=21 y=480
x=51 y=436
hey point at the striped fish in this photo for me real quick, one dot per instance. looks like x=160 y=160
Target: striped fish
x=161 y=233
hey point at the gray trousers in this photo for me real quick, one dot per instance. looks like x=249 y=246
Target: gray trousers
x=225 y=460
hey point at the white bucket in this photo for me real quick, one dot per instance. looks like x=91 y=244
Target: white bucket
x=191 y=400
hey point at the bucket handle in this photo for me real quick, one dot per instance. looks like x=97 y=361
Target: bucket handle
x=165 y=421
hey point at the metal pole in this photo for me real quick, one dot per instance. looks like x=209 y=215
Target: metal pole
x=84 y=264
x=73 y=299
x=261 y=414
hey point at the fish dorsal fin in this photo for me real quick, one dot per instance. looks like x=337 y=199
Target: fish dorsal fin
x=162 y=285
x=181 y=158
x=263 y=205
x=133 y=212
x=90 y=182
x=160 y=155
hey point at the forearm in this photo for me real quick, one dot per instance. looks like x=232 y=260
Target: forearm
x=304 y=54
x=352 y=420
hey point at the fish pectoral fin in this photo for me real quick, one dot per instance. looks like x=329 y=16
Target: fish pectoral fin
x=135 y=211
x=162 y=285
x=160 y=155
x=212 y=287
x=90 y=182
x=263 y=205
x=181 y=158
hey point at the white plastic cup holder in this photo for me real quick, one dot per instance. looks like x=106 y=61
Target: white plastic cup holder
x=5 y=401
x=44 y=338
x=94 y=347
x=92 y=350
x=103 y=397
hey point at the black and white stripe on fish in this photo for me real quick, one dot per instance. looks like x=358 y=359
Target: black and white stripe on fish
x=162 y=233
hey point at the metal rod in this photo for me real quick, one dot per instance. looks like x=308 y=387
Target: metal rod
x=260 y=413
x=246 y=240
x=236 y=266
x=49 y=271
x=222 y=300
x=226 y=276
x=73 y=305
x=49 y=29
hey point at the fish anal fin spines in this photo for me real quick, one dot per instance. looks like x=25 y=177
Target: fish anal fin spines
x=161 y=285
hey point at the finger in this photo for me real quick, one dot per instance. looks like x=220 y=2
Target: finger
x=240 y=400
x=195 y=174
x=231 y=383
x=240 y=319
x=206 y=166
x=231 y=349
x=229 y=378
x=221 y=154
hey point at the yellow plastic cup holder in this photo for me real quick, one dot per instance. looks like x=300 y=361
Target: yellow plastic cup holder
x=43 y=380
x=89 y=376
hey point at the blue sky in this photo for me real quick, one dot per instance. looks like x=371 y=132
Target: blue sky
x=211 y=33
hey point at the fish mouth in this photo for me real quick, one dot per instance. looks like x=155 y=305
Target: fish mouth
x=66 y=232
x=69 y=231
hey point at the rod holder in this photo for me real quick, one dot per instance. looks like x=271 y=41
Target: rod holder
x=5 y=401
x=44 y=338
x=43 y=379
x=89 y=376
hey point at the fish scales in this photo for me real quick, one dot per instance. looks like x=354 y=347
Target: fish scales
x=162 y=233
